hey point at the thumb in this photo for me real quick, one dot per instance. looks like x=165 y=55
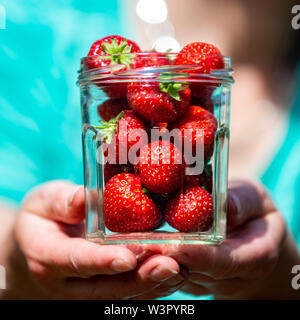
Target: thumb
x=57 y=200
x=246 y=200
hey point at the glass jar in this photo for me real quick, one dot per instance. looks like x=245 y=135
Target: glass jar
x=155 y=147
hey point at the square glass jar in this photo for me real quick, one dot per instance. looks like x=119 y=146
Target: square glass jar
x=160 y=96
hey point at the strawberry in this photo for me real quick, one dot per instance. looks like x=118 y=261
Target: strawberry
x=207 y=58
x=203 y=55
x=120 y=134
x=126 y=207
x=190 y=210
x=160 y=167
x=111 y=170
x=111 y=108
x=109 y=51
x=151 y=59
x=158 y=102
x=197 y=118
x=112 y=50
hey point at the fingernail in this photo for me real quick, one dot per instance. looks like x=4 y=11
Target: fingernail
x=71 y=197
x=162 y=274
x=141 y=255
x=120 y=265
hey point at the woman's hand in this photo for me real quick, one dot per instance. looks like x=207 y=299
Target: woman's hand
x=256 y=259
x=48 y=258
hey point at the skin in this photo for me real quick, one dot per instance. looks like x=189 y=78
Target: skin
x=256 y=259
x=46 y=256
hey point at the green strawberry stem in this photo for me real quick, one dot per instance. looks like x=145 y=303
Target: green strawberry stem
x=172 y=88
x=118 y=53
x=108 y=128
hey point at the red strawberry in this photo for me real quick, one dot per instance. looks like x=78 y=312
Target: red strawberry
x=191 y=210
x=111 y=170
x=127 y=208
x=120 y=134
x=158 y=102
x=109 y=51
x=111 y=108
x=195 y=119
x=117 y=47
x=207 y=58
x=160 y=167
x=151 y=59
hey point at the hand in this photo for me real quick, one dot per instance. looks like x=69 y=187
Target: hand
x=255 y=260
x=53 y=261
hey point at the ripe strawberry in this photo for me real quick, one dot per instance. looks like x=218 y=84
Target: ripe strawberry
x=207 y=58
x=120 y=134
x=195 y=119
x=116 y=47
x=111 y=170
x=190 y=210
x=111 y=108
x=150 y=59
x=160 y=167
x=126 y=207
x=109 y=51
x=158 y=102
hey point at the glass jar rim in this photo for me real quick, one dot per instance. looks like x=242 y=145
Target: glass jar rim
x=115 y=73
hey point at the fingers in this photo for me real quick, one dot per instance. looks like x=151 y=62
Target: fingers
x=153 y=278
x=156 y=275
x=81 y=258
x=246 y=200
x=253 y=250
x=57 y=200
x=50 y=253
x=249 y=252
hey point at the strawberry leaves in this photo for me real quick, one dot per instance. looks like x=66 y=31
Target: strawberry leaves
x=108 y=128
x=118 y=53
x=171 y=88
